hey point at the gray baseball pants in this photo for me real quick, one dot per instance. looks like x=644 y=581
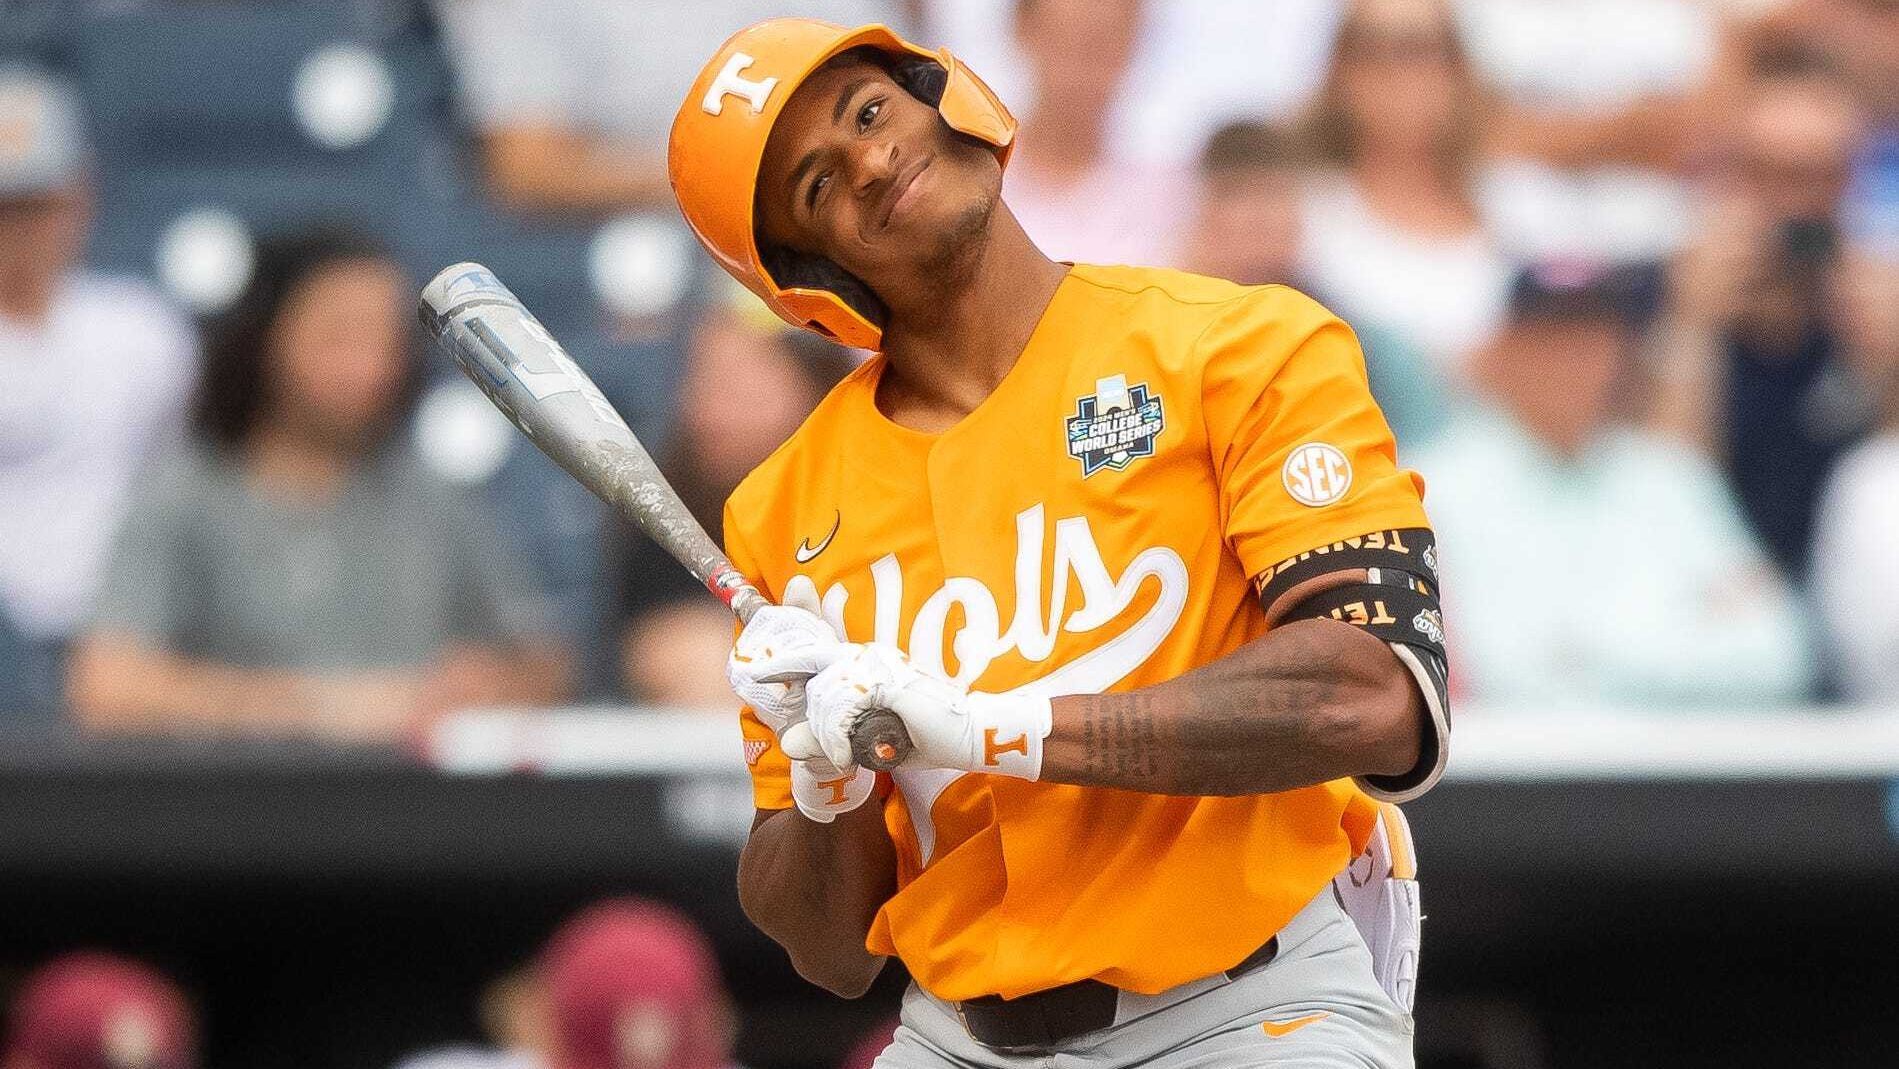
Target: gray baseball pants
x=1317 y=1005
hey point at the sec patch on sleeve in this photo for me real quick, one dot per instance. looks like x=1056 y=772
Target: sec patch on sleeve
x=1316 y=474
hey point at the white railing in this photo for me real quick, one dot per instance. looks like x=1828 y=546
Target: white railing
x=1487 y=745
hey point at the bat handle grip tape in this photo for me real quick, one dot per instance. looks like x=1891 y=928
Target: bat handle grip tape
x=880 y=741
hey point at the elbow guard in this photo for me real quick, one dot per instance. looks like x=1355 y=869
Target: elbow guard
x=1398 y=603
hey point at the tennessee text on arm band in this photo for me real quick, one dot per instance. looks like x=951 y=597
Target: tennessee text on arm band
x=1409 y=549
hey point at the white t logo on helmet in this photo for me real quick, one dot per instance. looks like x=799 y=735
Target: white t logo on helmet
x=729 y=82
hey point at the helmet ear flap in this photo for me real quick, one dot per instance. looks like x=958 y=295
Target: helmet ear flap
x=791 y=269
x=922 y=78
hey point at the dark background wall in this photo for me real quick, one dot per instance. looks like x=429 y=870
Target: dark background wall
x=332 y=913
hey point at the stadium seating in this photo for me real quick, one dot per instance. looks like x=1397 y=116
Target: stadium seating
x=262 y=116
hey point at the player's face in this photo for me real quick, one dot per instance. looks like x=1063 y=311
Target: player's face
x=860 y=172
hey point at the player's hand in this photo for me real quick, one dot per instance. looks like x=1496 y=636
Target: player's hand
x=780 y=648
x=950 y=727
x=822 y=792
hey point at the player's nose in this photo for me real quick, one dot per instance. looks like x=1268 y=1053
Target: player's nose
x=873 y=165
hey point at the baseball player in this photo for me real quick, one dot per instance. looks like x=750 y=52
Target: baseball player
x=1129 y=553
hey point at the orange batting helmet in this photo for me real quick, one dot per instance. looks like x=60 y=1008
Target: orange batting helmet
x=718 y=142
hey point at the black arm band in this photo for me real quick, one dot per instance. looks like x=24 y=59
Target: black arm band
x=1405 y=549
x=1402 y=609
x=1395 y=606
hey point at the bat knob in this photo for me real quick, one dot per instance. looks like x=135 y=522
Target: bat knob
x=880 y=741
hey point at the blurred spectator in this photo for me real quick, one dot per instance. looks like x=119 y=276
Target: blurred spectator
x=627 y=983
x=293 y=571
x=1074 y=196
x=90 y=1010
x=97 y=371
x=1749 y=350
x=1586 y=560
x=1601 y=103
x=1855 y=573
x=1860 y=39
x=1197 y=65
x=1248 y=228
x=1865 y=36
x=741 y=360
x=1591 y=56
x=574 y=98
x=514 y=1021
x=674 y=651
x=633 y=984
x=1396 y=236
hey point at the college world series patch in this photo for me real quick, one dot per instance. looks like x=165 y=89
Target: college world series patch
x=1115 y=426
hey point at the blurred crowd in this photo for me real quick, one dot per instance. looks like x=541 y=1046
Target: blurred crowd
x=626 y=983
x=1626 y=274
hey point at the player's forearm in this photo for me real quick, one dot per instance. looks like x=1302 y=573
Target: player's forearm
x=814 y=888
x=1312 y=701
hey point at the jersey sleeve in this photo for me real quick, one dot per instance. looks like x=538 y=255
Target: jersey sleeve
x=1303 y=455
x=1307 y=468
x=770 y=768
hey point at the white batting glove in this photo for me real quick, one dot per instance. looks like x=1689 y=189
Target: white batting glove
x=780 y=648
x=950 y=727
x=821 y=792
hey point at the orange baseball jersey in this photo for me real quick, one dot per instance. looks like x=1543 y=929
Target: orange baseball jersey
x=1096 y=524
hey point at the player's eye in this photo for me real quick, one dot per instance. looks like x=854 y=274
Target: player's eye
x=811 y=191
x=868 y=114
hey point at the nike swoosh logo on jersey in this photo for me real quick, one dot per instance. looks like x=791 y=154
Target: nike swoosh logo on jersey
x=1286 y=1028
x=806 y=552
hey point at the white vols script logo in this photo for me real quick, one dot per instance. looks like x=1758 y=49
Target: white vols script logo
x=1034 y=625
x=730 y=83
x=1317 y=474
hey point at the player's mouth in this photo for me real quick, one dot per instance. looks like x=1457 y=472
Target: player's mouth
x=903 y=192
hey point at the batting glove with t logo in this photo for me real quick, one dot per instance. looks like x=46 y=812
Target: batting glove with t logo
x=821 y=792
x=775 y=655
x=780 y=648
x=950 y=727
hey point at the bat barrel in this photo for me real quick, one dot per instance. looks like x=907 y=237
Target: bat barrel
x=512 y=358
x=454 y=288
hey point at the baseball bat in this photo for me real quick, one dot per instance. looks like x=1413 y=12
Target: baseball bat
x=512 y=358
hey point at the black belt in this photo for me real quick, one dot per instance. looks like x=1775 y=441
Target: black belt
x=1047 y=1019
